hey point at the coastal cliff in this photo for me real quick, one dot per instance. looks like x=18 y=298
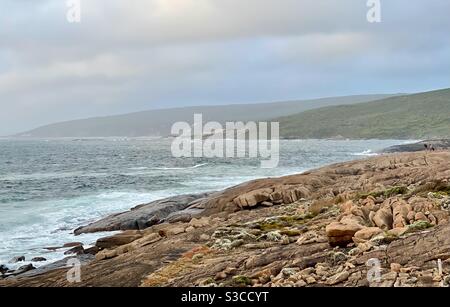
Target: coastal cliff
x=321 y=228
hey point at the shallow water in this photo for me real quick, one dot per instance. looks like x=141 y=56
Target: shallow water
x=50 y=187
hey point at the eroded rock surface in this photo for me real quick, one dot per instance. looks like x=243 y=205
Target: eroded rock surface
x=143 y=216
x=323 y=228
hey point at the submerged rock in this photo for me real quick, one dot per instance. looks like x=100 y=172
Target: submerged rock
x=53 y=267
x=21 y=270
x=17 y=259
x=3 y=269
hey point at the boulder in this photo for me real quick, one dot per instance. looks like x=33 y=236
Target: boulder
x=352 y=219
x=371 y=217
x=92 y=250
x=411 y=216
x=77 y=250
x=370 y=206
x=383 y=218
x=349 y=208
x=118 y=239
x=346 y=208
x=358 y=212
x=399 y=222
x=322 y=271
x=400 y=210
x=38 y=259
x=397 y=232
x=369 y=202
x=338 y=278
x=310 y=280
x=441 y=216
x=23 y=269
x=293 y=194
x=3 y=269
x=432 y=219
x=366 y=234
x=420 y=216
x=340 y=234
x=253 y=198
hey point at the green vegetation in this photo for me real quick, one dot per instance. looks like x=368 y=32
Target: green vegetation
x=417 y=116
x=283 y=222
x=400 y=190
x=395 y=191
x=209 y=281
x=241 y=280
x=159 y=122
x=418 y=226
x=436 y=187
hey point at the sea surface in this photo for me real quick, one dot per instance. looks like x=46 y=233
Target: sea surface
x=50 y=187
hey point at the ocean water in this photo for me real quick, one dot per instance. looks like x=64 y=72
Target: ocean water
x=50 y=187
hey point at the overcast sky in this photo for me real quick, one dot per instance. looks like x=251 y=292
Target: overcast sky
x=135 y=55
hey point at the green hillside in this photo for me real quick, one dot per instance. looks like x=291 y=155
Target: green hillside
x=159 y=122
x=416 y=116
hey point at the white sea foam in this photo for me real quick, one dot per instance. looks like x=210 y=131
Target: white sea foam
x=42 y=212
x=38 y=176
x=179 y=168
x=367 y=153
x=36 y=226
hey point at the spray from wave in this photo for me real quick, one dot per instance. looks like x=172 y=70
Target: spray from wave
x=180 y=168
x=366 y=153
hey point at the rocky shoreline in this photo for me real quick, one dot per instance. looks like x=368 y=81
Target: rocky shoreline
x=319 y=228
x=437 y=144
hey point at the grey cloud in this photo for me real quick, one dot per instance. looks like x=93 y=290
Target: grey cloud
x=136 y=55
